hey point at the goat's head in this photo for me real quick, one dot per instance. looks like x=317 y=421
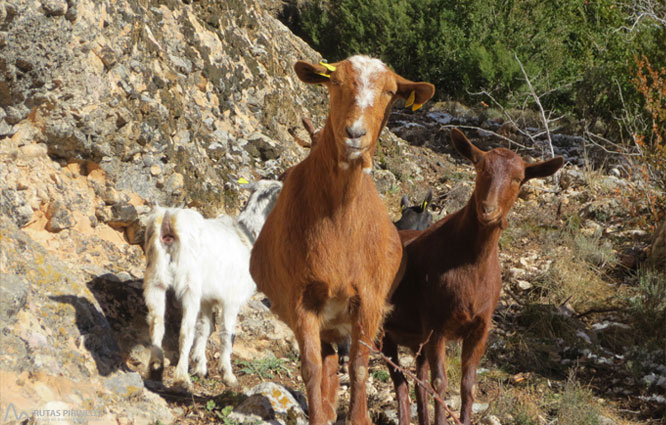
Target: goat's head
x=362 y=91
x=499 y=175
x=259 y=205
x=415 y=217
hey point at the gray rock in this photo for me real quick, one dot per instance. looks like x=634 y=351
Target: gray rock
x=260 y=146
x=5 y=129
x=13 y=205
x=604 y=420
x=60 y=217
x=54 y=7
x=287 y=409
x=13 y=294
x=255 y=405
x=124 y=384
x=491 y=420
x=122 y=215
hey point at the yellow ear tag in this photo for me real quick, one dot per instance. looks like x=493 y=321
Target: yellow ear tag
x=331 y=68
x=410 y=99
x=417 y=106
x=323 y=75
x=242 y=180
x=424 y=205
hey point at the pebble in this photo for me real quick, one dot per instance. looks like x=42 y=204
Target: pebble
x=155 y=170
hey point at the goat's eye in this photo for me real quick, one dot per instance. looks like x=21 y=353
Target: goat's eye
x=517 y=180
x=390 y=92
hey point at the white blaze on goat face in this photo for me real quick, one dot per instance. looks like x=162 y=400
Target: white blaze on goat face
x=367 y=70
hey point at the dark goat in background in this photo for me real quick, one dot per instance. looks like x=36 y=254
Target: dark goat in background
x=453 y=279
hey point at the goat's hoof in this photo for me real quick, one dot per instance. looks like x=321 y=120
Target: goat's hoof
x=201 y=372
x=230 y=380
x=182 y=382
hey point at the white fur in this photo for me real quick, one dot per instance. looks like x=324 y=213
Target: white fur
x=207 y=265
x=367 y=69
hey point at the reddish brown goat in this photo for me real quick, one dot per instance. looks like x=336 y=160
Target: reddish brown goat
x=452 y=282
x=328 y=254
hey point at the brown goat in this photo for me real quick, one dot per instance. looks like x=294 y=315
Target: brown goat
x=452 y=281
x=328 y=254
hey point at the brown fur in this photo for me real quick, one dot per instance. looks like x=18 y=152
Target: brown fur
x=328 y=253
x=453 y=278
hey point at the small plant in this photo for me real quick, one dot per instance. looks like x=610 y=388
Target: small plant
x=265 y=368
x=577 y=405
x=516 y=405
x=648 y=306
x=380 y=375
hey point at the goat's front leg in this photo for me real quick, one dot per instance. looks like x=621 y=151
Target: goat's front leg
x=472 y=350
x=390 y=350
x=203 y=330
x=229 y=314
x=329 y=381
x=436 y=353
x=191 y=305
x=155 y=297
x=309 y=342
x=358 y=373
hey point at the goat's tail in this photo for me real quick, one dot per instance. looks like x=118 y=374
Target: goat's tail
x=167 y=232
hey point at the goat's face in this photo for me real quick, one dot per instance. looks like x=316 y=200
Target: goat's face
x=362 y=91
x=499 y=175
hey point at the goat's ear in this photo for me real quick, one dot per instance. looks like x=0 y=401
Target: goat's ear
x=427 y=199
x=312 y=73
x=416 y=94
x=404 y=202
x=465 y=147
x=543 y=168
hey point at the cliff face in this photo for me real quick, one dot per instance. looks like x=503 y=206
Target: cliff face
x=170 y=100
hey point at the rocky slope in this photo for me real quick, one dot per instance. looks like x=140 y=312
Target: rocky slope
x=110 y=106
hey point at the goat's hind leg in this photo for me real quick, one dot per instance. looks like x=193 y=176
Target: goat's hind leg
x=155 y=297
x=203 y=331
x=228 y=315
x=362 y=340
x=390 y=349
x=329 y=381
x=421 y=393
x=436 y=354
x=191 y=306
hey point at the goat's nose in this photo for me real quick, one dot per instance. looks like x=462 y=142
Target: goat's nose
x=488 y=208
x=355 y=132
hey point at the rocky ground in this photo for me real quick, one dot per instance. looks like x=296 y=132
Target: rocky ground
x=108 y=107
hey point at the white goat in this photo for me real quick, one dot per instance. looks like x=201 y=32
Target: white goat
x=206 y=262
